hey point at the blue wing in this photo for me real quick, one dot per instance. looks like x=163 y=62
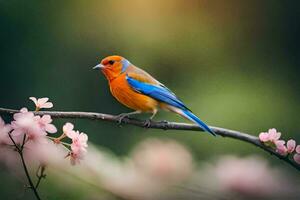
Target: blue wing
x=163 y=94
x=158 y=92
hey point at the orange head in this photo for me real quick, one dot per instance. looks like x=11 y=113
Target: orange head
x=113 y=66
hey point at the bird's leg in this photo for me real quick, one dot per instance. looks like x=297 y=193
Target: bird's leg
x=148 y=121
x=121 y=116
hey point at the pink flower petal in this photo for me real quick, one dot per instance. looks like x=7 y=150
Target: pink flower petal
x=42 y=101
x=78 y=146
x=272 y=131
x=291 y=144
x=264 y=137
x=279 y=142
x=298 y=149
x=281 y=148
x=274 y=135
x=83 y=137
x=34 y=100
x=24 y=110
x=68 y=127
x=47 y=105
x=297 y=158
x=17 y=132
x=50 y=128
x=71 y=134
x=46 y=119
x=68 y=130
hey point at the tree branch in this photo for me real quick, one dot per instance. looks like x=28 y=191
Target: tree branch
x=162 y=125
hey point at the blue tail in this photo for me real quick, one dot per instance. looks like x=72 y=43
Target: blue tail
x=189 y=115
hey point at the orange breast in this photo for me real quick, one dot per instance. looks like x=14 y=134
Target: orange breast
x=130 y=98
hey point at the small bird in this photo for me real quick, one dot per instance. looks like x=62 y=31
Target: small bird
x=138 y=90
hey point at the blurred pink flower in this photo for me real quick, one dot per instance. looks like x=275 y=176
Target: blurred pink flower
x=298 y=149
x=164 y=160
x=26 y=123
x=297 y=154
x=4 y=130
x=291 y=145
x=45 y=123
x=76 y=156
x=153 y=169
x=44 y=152
x=8 y=155
x=297 y=158
x=41 y=103
x=68 y=130
x=281 y=148
x=248 y=176
x=10 y=158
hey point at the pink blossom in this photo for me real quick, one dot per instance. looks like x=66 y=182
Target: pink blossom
x=297 y=158
x=10 y=158
x=281 y=148
x=79 y=139
x=284 y=150
x=264 y=137
x=272 y=135
x=298 y=149
x=78 y=147
x=4 y=131
x=43 y=151
x=291 y=144
x=8 y=155
x=45 y=123
x=297 y=154
x=164 y=160
x=250 y=176
x=26 y=123
x=68 y=130
x=41 y=103
x=75 y=157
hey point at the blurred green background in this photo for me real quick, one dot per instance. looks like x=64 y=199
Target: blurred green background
x=234 y=63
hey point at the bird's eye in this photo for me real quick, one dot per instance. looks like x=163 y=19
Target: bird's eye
x=111 y=62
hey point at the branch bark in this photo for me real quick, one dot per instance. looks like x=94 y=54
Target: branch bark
x=163 y=125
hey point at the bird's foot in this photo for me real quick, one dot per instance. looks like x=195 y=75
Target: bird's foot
x=120 y=118
x=165 y=124
x=147 y=123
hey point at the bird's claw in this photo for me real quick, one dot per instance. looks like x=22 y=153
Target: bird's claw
x=120 y=118
x=147 y=123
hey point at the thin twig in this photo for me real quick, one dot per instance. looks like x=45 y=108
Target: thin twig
x=15 y=144
x=40 y=174
x=162 y=125
x=20 y=151
x=23 y=143
x=60 y=142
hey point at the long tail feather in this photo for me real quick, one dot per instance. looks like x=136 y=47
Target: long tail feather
x=190 y=116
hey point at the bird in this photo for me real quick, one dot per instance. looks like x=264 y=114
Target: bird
x=139 y=91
